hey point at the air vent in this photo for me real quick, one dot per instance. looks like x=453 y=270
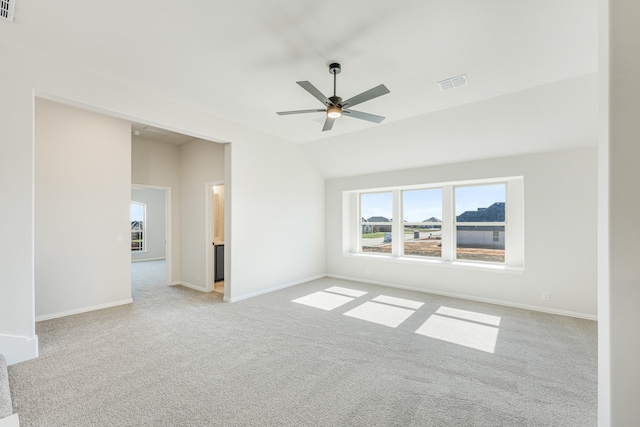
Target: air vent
x=6 y=9
x=453 y=82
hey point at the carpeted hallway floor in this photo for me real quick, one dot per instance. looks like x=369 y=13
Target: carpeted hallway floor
x=325 y=353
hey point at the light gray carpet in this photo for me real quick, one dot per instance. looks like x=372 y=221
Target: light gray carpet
x=5 y=395
x=178 y=357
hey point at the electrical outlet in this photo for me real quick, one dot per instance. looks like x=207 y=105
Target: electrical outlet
x=197 y=278
x=546 y=296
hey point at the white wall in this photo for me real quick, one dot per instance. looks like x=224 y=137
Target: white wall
x=277 y=218
x=562 y=115
x=82 y=189
x=200 y=162
x=265 y=168
x=155 y=224
x=560 y=234
x=157 y=163
x=619 y=205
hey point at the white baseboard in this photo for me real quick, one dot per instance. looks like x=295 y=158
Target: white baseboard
x=83 y=310
x=147 y=259
x=190 y=286
x=18 y=349
x=472 y=298
x=10 y=421
x=273 y=289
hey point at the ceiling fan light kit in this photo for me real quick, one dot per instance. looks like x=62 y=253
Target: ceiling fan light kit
x=334 y=112
x=335 y=106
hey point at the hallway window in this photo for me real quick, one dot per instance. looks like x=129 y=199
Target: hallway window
x=138 y=219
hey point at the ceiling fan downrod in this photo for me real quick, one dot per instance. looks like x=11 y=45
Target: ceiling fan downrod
x=335 y=110
x=335 y=70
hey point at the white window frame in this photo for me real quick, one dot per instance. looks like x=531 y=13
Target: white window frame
x=514 y=225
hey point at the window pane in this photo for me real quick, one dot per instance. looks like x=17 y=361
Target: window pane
x=422 y=205
x=480 y=203
x=136 y=241
x=480 y=243
x=137 y=211
x=376 y=207
x=423 y=240
x=137 y=226
x=376 y=238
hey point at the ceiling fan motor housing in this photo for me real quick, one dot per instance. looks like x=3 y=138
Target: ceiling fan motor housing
x=336 y=100
x=335 y=68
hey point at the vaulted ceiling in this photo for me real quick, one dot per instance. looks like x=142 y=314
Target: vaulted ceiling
x=240 y=60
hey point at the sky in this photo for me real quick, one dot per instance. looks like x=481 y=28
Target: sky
x=471 y=198
x=137 y=212
x=419 y=205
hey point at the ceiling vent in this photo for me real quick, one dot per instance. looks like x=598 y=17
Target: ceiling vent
x=6 y=9
x=453 y=82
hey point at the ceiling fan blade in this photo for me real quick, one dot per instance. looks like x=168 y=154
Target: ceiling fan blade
x=316 y=93
x=365 y=96
x=284 y=113
x=363 y=116
x=328 y=124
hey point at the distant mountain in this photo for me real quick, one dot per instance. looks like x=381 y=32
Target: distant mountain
x=494 y=213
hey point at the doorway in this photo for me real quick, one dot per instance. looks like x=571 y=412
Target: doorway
x=215 y=200
x=151 y=232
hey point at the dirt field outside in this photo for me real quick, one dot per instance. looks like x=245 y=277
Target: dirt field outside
x=430 y=247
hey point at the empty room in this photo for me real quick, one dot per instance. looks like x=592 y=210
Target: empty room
x=297 y=213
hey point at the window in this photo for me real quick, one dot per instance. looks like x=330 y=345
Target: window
x=138 y=226
x=480 y=222
x=471 y=222
x=422 y=214
x=375 y=222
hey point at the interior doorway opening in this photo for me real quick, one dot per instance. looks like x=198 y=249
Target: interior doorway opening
x=151 y=237
x=215 y=226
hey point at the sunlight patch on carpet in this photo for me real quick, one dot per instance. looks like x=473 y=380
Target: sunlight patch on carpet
x=346 y=291
x=381 y=314
x=324 y=300
x=469 y=315
x=462 y=331
x=400 y=302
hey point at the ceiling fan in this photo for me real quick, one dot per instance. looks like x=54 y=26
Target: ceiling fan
x=335 y=106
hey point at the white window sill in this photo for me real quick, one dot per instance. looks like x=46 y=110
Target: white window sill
x=465 y=265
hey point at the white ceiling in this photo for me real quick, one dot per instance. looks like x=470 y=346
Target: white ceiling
x=240 y=59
